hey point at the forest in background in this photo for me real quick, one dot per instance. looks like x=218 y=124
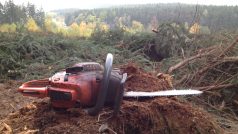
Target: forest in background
x=198 y=19
x=151 y=15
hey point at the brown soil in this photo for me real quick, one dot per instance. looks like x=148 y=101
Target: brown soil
x=162 y=115
x=139 y=80
x=165 y=116
x=156 y=115
x=10 y=99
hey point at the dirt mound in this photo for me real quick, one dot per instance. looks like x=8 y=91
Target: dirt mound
x=165 y=116
x=139 y=80
x=162 y=115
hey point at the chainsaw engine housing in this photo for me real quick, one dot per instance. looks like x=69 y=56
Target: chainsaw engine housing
x=81 y=84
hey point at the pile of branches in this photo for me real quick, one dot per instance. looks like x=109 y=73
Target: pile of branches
x=206 y=62
x=213 y=70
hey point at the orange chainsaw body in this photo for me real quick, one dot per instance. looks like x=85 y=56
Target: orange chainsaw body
x=80 y=84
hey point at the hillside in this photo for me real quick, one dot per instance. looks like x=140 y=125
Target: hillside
x=153 y=14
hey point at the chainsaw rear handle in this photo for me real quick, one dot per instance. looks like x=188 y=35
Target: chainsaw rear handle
x=104 y=86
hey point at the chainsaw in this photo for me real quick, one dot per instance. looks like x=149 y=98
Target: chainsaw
x=91 y=85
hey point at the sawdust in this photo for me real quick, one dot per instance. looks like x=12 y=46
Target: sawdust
x=139 y=80
x=156 y=115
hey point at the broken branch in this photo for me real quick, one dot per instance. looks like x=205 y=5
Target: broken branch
x=216 y=87
x=185 y=61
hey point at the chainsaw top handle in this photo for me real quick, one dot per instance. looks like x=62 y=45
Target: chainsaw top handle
x=104 y=86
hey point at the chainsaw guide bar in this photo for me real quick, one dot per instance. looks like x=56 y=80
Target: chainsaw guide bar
x=173 y=92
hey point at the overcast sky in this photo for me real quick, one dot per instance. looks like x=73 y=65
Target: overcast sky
x=89 y=4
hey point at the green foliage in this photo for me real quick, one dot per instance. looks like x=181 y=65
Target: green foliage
x=34 y=55
x=108 y=38
x=22 y=55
